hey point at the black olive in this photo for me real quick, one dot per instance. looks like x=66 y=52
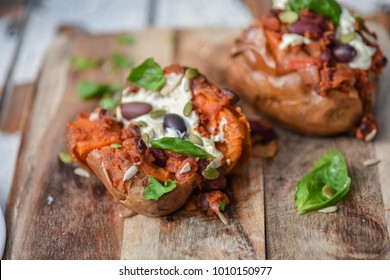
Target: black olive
x=175 y=122
x=344 y=53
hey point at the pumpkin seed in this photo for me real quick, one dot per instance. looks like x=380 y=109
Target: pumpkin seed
x=328 y=191
x=127 y=213
x=145 y=137
x=195 y=139
x=65 y=157
x=346 y=38
x=152 y=134
x=130 y=173
x=358 y=18
x=187 y=109
x=288 y=17
x=210 y=173
x=223 y=218
x=370 y=136
x=186 y=168
x=191 y=73
x=81 y=172
x=116 y=145
x=371 y=161
x=330 y=209
x=141 y=124
x=158 y=114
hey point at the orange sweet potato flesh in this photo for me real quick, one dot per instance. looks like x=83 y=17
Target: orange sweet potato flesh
x=212 y=106
x=83 y=136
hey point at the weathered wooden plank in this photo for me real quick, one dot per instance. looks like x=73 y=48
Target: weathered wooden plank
x=382 y=143
x=358 y=230
x=206 y=49
x=194 y=235
x=17 y=109
x=50 y=193
x=200 y=13
x=60 y=213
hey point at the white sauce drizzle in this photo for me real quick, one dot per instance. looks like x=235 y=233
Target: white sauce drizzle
x=177 y=94
x=293 y=40
x=280 y=4
x=364 y=52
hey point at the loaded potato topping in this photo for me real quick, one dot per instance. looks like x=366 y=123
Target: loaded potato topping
x=171 y=125
x=328 y=46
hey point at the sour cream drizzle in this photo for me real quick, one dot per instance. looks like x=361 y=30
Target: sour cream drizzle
x=172 y=98
x=364 y=52
x=279 y=4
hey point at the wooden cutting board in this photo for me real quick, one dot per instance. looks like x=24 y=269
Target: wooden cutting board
x=54 y=214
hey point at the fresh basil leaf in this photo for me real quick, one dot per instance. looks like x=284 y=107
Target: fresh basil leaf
x=112 y=88
x=125 y=39
x=83 y=63
x=147 y=75
x=180 y=146
x=222 y=205
x=120 y=61
x=331 y=171
x=87 y=89
x=156 y=190
x=328 y=8
x=108 y=103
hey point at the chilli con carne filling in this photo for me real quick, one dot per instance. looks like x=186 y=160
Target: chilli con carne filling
x=328 y=47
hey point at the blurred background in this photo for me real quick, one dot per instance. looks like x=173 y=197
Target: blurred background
x=28 y=27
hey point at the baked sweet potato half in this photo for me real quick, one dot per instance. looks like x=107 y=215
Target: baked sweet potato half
x=309 y=71
x=170 y=136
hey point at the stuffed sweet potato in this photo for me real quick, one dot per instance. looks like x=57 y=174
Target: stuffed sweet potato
x=309 y=69
x=172 y=134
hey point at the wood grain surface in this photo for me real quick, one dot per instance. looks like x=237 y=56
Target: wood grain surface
x=54 y=214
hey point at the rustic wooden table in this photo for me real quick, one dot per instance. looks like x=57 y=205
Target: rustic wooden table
x=37 y=85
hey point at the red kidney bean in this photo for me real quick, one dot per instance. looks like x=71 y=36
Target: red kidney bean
x=344 y=53
x=175 y=122
x=204 y=203
x=313 y=17
x=326 y=55
x=262 y=131
x=302 y=27
x=132 y=110
x=232 y=94
x=160 y=157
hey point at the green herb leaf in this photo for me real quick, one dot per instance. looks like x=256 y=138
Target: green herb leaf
x=179 y=146
x=156 y=190
x=147 y=75
x=125 y=39
x=65 y=157
x=108 y=103
x=222 y=205
x=87 y=89
x=329 y=8
x=330 y=171
x=120 y=61
x=83 y=63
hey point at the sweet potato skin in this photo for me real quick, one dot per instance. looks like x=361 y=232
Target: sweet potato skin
x=131 y=194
